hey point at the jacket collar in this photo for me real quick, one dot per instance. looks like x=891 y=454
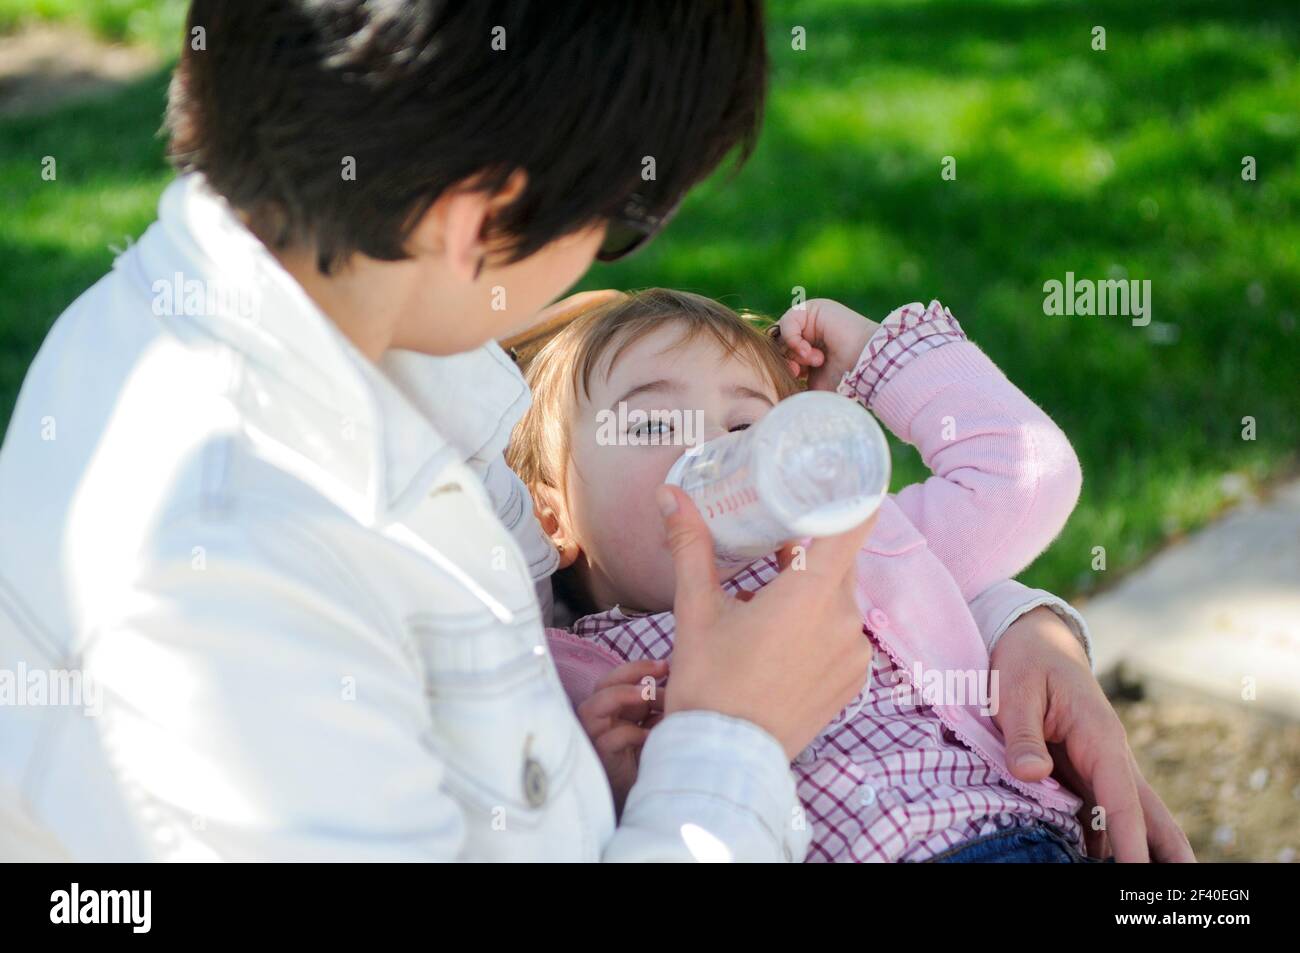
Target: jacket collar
x=372 y=438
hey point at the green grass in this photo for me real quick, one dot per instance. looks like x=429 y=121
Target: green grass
x=156 y=22
x=1124 y=162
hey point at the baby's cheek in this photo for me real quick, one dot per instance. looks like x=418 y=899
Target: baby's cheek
x=632 y=538
x=639 y=546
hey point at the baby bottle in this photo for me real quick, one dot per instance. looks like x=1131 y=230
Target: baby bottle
x=816 y=465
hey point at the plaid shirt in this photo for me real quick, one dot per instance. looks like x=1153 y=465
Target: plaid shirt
x=886 y=780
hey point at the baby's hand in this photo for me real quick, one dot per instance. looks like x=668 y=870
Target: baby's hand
x=618 y=716
x=825 y=339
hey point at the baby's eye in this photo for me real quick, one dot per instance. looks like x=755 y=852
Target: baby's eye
x=740 y=427
x=650 y=427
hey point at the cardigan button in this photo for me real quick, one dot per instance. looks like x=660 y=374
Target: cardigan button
x=1052 y=783
x=878 y=619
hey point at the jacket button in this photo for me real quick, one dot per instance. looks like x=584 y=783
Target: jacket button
x=877 y=619
x=535 y=783
x=535 y=780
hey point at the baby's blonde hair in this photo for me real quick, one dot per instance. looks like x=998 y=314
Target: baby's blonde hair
x=539 y=446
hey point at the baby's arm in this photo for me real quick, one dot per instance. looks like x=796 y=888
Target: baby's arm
x=1006 y=478
x=617 y=703
x=580 y=663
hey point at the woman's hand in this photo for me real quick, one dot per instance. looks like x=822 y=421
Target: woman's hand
x=824 y=339
x=788 y=658
x=1049 y=692
x=618 y=716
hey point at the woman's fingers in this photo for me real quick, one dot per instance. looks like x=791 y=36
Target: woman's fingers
x=1022 y=730
x=1094 y=835
x=826 y=563
x=1165 y=837
x=1096 y=841
x=1115 y=788
x=787 y=659
x=699 y=591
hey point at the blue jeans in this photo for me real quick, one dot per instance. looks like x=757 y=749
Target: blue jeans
x=1040 y=843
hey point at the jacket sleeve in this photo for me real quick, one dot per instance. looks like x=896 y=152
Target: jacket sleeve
x=1005 y=477
x=258 y=707
x=514 y=507
x=711 y=788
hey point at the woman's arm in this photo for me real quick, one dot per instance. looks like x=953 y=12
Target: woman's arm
x=1004 y=603
x=261 y=710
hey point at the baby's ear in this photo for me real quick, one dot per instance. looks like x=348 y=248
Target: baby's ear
x=551 y=512
x=545 y=508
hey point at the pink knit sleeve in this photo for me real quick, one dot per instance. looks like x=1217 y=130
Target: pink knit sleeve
x=1005 y=477
x=581 y=664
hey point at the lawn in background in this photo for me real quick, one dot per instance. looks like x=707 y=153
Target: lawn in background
x=154 y=22
x=1122 y=163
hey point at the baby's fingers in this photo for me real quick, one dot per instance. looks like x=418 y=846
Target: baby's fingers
x=805 y=355
x=620 y=738
x=628 y=702
x=634 y=673
x=797 y=330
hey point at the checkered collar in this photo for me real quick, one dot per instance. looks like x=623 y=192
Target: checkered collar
x=749 y=579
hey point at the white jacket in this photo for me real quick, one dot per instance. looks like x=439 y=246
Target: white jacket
x=260 y=599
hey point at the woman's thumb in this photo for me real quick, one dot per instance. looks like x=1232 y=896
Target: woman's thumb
x=1022 y=729
x=691 y=546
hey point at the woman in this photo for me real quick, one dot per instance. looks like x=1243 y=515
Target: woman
x=252 y=491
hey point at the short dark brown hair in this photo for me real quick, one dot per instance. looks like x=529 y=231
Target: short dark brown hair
x=416 y=94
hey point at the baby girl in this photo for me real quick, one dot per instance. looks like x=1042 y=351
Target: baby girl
x=914 y=768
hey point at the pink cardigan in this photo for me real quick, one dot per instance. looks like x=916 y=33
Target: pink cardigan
x=1005 y=481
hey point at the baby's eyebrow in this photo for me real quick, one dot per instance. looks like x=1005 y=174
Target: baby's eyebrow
x=663 y=385
x=740 y=390
x=667 y=386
